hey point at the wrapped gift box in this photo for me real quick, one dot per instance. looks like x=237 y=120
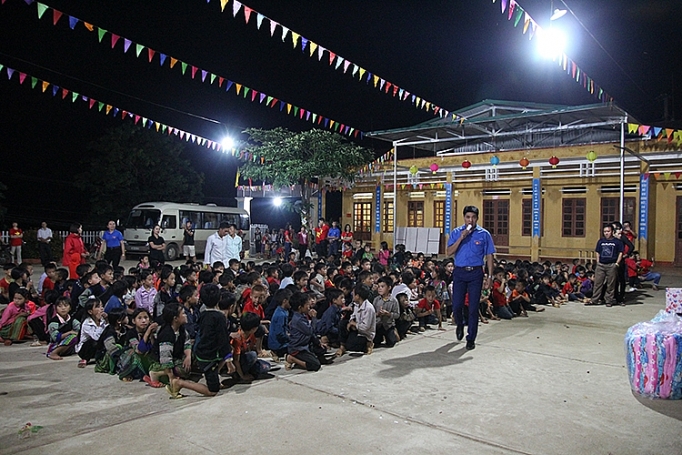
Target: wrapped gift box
x=673 y=300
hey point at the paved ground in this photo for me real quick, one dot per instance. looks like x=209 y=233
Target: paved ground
x=554 y=383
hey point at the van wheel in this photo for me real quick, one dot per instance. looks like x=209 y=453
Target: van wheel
x=172 y=252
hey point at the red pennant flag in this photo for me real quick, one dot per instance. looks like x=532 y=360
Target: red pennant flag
x=92 y=103
x=151 y=54
x=123 y=114
x=678 y=174
x=332 y=56
x=301 y=113
x=22 y=76
x=194 y=71
x=274 y=102
x=114 y=39
x=253 y=95
x=395 y=90
x=64 y=93
x=247 y=13
x=55 y=16
x=388 y=86
x=220 y=81
x=137 y=119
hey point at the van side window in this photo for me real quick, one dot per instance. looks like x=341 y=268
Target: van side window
x=169 y=222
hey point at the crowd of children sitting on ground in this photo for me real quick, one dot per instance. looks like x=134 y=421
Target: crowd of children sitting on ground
x=161 y=324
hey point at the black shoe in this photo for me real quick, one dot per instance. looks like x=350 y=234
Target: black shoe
x=459 y=331
x=471 y=345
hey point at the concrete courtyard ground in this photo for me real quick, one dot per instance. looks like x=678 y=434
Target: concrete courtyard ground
x=553 y=383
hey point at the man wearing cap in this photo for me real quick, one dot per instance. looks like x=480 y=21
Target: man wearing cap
x=473 y=249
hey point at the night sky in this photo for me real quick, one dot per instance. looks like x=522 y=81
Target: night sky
x=453 y=53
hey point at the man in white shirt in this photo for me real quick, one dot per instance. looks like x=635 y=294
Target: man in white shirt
x=44 y=239
x=215 y=246
x=233 y=244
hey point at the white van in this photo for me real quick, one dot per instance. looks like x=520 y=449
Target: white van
x=172 y=217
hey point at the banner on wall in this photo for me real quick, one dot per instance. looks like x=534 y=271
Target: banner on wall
x=537 y=207
x=448 y=208
x=643 y=206
x=377 y=209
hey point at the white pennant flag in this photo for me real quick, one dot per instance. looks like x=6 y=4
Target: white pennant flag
x=259 y=20
x=273 y=26
x=285 y=32
x=320 y=52
x=235 y=8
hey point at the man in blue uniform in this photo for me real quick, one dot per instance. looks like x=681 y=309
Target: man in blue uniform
x=473 y=249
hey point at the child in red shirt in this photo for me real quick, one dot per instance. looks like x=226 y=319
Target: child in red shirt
x=499 y=295
x=428 y=310
x=245 y=358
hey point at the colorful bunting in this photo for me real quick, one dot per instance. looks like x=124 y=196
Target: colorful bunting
x=236 y=6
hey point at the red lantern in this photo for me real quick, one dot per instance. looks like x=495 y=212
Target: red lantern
x=554 y=161
x=466 y=164
x=433 y=167
x=524 y=162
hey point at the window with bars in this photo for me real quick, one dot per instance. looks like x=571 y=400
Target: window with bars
x=439 y=215
x=387 y=221
x=415 y=214
x=611 y=213
x=573 y=217
x=527 y=218
x=362 y=220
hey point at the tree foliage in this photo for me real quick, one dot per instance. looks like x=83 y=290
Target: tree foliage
x=296 y=158
x=129 y=165
x=289 y=158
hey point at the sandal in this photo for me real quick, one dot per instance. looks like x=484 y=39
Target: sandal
x=82 y=363
x=156 y=384
x=173 y=394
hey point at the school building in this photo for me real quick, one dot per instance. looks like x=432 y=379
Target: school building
x=545 y=179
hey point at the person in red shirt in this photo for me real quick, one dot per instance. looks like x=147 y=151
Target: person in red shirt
x=74 y=250
x=253 y=303
x=644 y=272
x=428 y=310
x=5 y=281
x=499 y=295
x=244 y=351
x=16 y=239
x=321 y=238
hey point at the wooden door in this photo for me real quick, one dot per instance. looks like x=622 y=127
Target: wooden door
x=496 y=221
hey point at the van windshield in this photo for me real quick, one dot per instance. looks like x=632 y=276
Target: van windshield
x=143 y=219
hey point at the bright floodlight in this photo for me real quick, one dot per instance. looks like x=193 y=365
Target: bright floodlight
x=551 y=42
x=558 y=13
x=277 y=201
x=227 y=143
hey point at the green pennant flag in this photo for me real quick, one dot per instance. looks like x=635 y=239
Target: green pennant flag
x=183 y=66
x=314 y=118
x=100 y=33
x=138 y=49
x=336 y=126
x=212 y=78
x=519 y=13
x=41 y=10
x=246 y=90
x=100 y=106
x=268 y=100
x=163 y=128
x=296 y=108
x=74 y=97
x=1 y=66
x=34 y=82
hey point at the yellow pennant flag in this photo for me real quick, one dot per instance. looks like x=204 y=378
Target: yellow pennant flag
x=173 y=61
x=428 y=106
x=236 y=181
x=288 y=108
x=526 y=23
x=45 y=85
x=632 y=128
x=294 y=37
x=222 y=4
x=376 y=80
x=108 y=109
x=158 y=125
x=239 y=88
x=313 y=46
x=331 y=124
x=362 y=72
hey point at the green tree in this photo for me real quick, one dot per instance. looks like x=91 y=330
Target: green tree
x=289 y=158
x=129 y=165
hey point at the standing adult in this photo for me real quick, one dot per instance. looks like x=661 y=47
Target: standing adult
x=288 y=240
x=622 y=275
x=16 y=240
x=258 y=241
x=112 y=240
x=215 y=246
x=44 y=238
x=233 y=244
x=157 y=246
x=334 y=239
x=321 y=238
x=609 y=255
x=188 y=248
x=74 y=250
x=473 y=249
x=303 y=240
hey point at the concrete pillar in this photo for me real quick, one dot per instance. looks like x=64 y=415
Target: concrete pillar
x=536 y=237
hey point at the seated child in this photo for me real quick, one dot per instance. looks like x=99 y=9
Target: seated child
x=14 y=325
x=302 y=338
x=137 y=345
x=428 y=310
x=248 y=365
x=253 y=304
x=519 y=302
x=91 y=330
x=387 y=312
x=499 y=294
x=485 y=306
x=278 y=338
x=545 y=294
x=189 y=299
x=358 y=333
x=172 y=352
x=63 y=330
x=571 y=290
x=407 y=316
x=327 y=327
x=110 y=343
x=587 y=284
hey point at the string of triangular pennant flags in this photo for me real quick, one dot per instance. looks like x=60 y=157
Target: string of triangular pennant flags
x=515 y=12
x=67 y=94
x=336 y=61
x=656 y=132
x=195 y=72
x=377 y=164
